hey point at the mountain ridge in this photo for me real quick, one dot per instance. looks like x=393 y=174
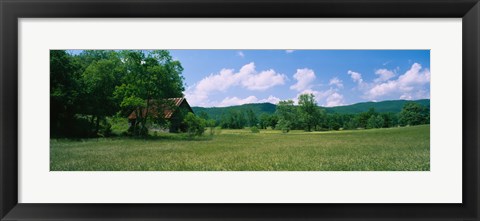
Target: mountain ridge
x=393 y=106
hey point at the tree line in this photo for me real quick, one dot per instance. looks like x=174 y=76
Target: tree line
x=308 y=116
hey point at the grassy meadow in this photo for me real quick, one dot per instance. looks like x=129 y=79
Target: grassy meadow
x=391 y=149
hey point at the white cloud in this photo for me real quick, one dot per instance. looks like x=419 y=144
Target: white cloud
x=304 y=78
x=319 y=95
x=232 y=101
x=289 y=51
x=382 y=89
x=247 y=77
x=270 y=99
x=197 y=98
x=218 y=82
x=328 y=98
x=263 y=80
x=384 y=75
x=334 y=99
x=406 y=97
x=415 y=75
x=408 y=86
x=337 y=82
x=356 y=77
x=241 y=54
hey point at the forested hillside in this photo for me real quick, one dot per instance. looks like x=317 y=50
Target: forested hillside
x=268 y=108
x=381 y=107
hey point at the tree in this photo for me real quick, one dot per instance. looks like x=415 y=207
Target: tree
x=413 y=114
x=264 y=121
x=363 y=117
x=379 y=121
x=286 y=113
x=375 y=122
x=351 y=124
x=98 y=83
x=308 y=111
x=151 y=77
x=273 y=121
x=203 y=115
x=251 y=118
x=87 y=57
x=371 y=122
x=284 y=125
x=64 y=92
x=334 y=121
x=234 y=119
x=389 y=120
x=195 y=125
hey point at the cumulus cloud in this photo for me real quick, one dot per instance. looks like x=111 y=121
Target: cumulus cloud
x=356 y=77
x=263 y=80
x=384 y=75
x=337 y=82
x=319 y=95
x=218 y=82
x=305 y=78
x=334 y=99
x=329 y=98
x=270 y=99
x=231 y=101
x=247 y=77
x=408 y=86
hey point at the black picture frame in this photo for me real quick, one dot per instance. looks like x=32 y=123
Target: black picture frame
x=12 y=10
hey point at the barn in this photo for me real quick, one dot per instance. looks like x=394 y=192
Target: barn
x=173 y=109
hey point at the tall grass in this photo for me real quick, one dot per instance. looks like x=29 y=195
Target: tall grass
x=393 y=149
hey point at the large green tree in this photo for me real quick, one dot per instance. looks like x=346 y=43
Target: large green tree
x=150 y=78
x=286 y=112
x=414 y=114
x=99 y=81
x=309 y=113
x=64 y=92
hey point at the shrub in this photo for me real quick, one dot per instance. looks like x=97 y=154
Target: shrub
x=254 y=129
x=195 y=125
x=106 y=130
x=335 y=125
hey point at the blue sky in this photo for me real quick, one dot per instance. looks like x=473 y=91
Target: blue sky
x=335 y=77
x=216 y=78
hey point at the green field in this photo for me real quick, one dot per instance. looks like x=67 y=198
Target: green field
x=392 y=149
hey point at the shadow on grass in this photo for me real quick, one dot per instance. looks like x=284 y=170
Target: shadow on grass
x=173 y=136
x=150 y=137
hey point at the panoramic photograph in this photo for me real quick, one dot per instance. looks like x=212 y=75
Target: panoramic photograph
x=240 y=110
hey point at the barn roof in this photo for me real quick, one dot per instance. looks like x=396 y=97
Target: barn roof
x=168 y=112
x=168 y=109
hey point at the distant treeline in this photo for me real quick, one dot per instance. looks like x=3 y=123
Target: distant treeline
x=309 y=117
